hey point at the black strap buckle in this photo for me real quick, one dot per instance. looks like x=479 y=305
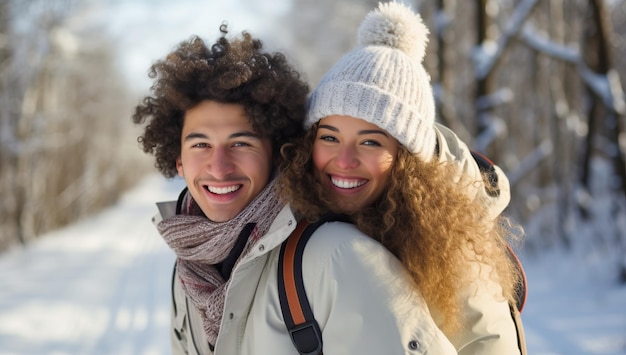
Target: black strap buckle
x=307 y=338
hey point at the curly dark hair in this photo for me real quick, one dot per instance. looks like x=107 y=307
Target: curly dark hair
x=229 y=71
x=425 y=219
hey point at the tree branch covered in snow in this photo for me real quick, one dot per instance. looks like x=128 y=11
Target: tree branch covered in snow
x=488 y=54
x=607 y=87
x=530 y=162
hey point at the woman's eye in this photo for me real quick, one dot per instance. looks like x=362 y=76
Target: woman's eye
x=200 y=145
x=328 y=138
x=371 y=143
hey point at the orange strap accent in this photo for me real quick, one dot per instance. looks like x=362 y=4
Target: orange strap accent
x=290 y=281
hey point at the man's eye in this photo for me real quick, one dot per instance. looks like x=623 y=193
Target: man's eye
x=241 y=144
x=200 y=145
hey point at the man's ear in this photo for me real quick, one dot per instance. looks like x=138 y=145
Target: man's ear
x=179 y=167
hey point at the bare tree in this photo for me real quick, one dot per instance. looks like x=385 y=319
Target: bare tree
x=607 y=102
x=67 y=113
x=10 y=97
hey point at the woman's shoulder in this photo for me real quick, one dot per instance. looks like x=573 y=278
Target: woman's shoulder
x=340 y=245
x=337 y=235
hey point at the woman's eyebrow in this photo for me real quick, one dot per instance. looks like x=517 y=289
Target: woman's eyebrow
x=364 y=131
x=332 y=128
x=373 y=131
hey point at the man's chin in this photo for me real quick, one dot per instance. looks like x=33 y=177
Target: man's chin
x=221 y=215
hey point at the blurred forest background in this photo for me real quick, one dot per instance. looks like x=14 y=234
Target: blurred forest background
x=536 y=85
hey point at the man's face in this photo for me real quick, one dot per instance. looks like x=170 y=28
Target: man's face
x=225 y=163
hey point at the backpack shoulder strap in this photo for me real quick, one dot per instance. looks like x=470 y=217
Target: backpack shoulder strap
x=303 y=329
x=486 y=166
x=521 y=291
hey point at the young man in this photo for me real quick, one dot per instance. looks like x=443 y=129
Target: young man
x=218 y=117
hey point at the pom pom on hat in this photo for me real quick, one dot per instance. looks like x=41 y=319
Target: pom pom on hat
x=395 y=26
x=383 y=81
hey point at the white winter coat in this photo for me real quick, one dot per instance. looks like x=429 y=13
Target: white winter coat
x=358 y=291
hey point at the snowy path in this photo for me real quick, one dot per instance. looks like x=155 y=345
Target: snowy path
x=97 y=287
x=101 y=287
x=575 y=306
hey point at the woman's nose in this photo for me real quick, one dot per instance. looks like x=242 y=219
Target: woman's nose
x=347 y=158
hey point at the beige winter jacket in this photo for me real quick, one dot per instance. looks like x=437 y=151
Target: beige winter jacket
x=359 y=293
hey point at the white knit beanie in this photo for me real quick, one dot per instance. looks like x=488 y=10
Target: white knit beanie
x=383 y=81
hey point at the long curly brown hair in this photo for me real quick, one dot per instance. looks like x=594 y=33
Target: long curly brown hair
x=426 y=220
x=228 y=71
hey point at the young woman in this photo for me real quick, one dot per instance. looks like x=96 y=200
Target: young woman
x=373 y=152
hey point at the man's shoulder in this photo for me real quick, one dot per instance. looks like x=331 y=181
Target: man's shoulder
x=280 y=228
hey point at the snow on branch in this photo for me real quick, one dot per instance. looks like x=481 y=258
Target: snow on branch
x=529 y=162
x=488 y=53
x=495 y=128
x=493 y=100
x=441 y=20
x=540 y=43
x=607 y=87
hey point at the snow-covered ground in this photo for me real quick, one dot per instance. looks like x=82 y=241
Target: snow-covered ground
x=575 y=305
x=101 y=287
x=97 y=287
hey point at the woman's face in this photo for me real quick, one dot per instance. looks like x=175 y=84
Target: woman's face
x=353 y=159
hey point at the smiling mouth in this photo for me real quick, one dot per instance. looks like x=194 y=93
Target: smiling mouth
x=222 y=190
x=347 y=183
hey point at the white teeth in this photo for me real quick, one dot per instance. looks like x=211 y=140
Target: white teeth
x=223 y=190
x=347 y=184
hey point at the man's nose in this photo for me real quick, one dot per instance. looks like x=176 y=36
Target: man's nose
x=220 y=163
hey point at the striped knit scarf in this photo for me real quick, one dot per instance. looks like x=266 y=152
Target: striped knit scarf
x=201 y=244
